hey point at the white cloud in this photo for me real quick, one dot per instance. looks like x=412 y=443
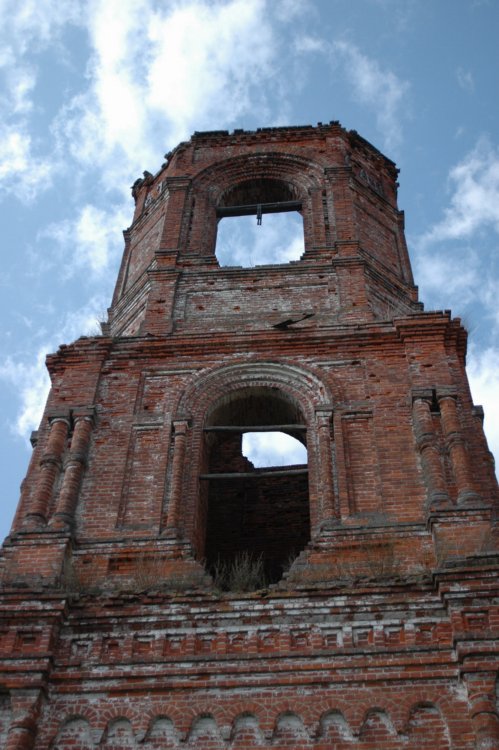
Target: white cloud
x=435 y=272
x=465 y=80
x=455 y=259
x=21 y=172
x=30 y=377
x=371 y=85
x=169 y=69
x=35 y=24
x=474 y=202
x=376 y=88
x=32 y=384
x=273 y=449
x=83 y=321
x=92 y=240
x=209 y=57
x=20 y=83
x=483 y=373
x=113 y=109
x=490 y=297
x=163 y=73
x=291 y=10
x=307 y=43
x=27 y=27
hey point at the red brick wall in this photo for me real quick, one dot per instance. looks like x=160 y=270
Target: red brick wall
x=384 y=631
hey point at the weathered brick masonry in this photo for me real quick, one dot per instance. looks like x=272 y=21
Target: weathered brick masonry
x=378 y=627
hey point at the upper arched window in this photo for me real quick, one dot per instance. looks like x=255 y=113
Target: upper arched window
x=259 y=222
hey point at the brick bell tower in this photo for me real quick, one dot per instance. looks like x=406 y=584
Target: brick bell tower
x=365 y=615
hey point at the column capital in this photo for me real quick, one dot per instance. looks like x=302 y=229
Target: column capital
x=58 y=417
x=323 y=414
x=446 y=391
x=83 y=412
x=176 y=183
x=180 y=426
x=422 y=394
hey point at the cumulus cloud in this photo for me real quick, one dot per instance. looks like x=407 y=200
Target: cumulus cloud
x=436 y=275
x=455 y=259
x=474 y=202
x=110 y=114
x=167 y=70
x=483 y=373
x=221 y=54
x=377 y=88
x=20 y=84
x=371 y=85
x=28 y=28
x=38 y=22
x=30 y=377
x=92 y=240
x=22 y=173
x=32 y=385
x=164 y=72
x=310 y=43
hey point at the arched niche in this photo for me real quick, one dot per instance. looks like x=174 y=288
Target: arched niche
x=254 y=516
x=236 y=397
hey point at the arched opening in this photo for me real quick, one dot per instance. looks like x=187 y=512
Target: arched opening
x=253 y=514
x=259 y=222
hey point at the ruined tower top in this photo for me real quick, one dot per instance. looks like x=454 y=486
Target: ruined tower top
x=345 y=192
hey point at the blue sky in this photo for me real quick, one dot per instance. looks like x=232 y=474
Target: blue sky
x=93 y=93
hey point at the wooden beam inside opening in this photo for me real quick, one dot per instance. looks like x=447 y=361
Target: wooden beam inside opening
x=250 y=209
x=257 y=428
x=254 y=474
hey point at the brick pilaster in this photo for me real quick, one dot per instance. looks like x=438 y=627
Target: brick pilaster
x=457 y=448
x=431 y=460
x=50 y=466
x=179 y=442
x=74 y=467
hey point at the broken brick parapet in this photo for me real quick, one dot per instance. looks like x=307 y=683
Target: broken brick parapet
x=347 y=193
